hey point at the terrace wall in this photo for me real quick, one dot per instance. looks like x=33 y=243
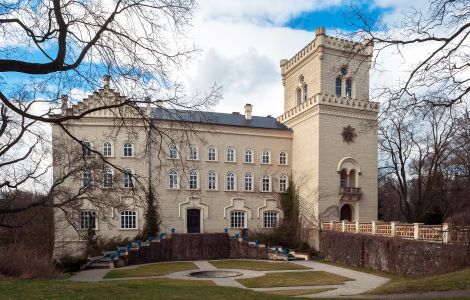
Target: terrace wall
x=181 y=247
x=397 y=255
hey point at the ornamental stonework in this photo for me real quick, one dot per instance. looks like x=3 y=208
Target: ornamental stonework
x=349 y=134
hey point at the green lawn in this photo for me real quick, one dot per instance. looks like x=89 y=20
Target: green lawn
x=163 y=288
x=445 y=282
x=293 y=279
x=300 y=292
x=157 y=269
x=255 y=265
x=404 y=284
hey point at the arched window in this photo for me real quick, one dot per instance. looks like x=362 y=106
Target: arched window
x=348 y=88
x=269 y=219
x=248 y=156
x=265 y=157
x=212 y=154
x=127 y=179
x=338 y=86
x=352 y=178
x=107 y=178
x=266 y=183
x=230 y=182
x=128 y=150
x=237 y=219
x=192 y=152
x=172 y=152
x=298 y=95
x=87 y=178
x=193 y=180
x=107 y=149
x=282 y=183
x=86 y=148
x=212 y=180
x=343 y=178
x=282 y=158
x=305 y=92
x=230 y=154
x=248 y=182
x=173 y=180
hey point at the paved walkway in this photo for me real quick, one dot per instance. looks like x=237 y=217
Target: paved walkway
x=362 y=282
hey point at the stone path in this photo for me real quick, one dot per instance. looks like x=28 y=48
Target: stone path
x=362 y=282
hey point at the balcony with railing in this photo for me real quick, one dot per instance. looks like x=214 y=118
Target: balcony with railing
x=350 y=193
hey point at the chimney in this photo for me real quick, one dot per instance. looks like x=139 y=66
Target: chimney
x=248 y=110
x=64 y=103
x=106 y=79
x=160 y=103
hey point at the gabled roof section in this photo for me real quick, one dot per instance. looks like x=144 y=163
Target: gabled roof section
x=215 y=118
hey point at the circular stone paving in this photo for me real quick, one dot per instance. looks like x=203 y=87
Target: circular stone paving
x=215 y=274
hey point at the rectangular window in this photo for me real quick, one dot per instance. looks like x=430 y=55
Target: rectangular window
x=212 y=181
x=193 y=180
x=266 y=184
x=192 y=152
x=87 y=178
x=128 y=219
x=87 y=220
x=270 y=219
x=237 y=219
x=128 y=179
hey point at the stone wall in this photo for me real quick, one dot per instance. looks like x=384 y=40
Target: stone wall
x=180 y=247
x=401 y=256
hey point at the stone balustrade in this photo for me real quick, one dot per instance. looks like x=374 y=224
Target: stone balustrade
x=444 y=233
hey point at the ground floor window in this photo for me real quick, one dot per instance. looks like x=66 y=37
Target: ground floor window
x=270 y=219
x=237 y=219
x=128 y=219
x=87 y=220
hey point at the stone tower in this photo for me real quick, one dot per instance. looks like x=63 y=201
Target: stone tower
x=334 y=148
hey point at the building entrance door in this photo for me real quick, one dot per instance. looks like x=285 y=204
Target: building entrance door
x=193 y=220
x=346 y=213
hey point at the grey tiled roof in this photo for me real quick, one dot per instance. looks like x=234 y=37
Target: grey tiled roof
x=214 y=118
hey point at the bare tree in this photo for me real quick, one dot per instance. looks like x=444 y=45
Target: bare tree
x=439 y=76
x=59 y=47
x=415 y=149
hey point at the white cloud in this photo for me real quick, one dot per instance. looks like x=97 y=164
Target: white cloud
x=259 y=11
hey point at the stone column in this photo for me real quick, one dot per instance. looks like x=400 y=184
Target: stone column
x=416 y=230
x=445 y=233
x=393 y=226
x=343 y=226
x=374 y=228
x=357 y=227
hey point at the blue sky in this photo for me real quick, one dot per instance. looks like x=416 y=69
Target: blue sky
x=338 y=17
x=242 y=41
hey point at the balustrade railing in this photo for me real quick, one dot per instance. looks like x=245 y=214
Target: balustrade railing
x=445 y=233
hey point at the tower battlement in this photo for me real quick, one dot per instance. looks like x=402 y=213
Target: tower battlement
x=322 y=42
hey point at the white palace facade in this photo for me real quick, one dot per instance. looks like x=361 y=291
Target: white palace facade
x=210 y=171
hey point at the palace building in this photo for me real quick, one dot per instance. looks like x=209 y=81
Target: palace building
x=210 y=171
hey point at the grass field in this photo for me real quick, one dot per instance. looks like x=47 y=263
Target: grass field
x=163 y=288
x=445 y=282
x=287 y=279
x=402 y=284
x=152 y=270
x=255 y=265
